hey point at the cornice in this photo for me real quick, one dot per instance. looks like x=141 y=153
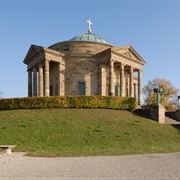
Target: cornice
x=125 y=49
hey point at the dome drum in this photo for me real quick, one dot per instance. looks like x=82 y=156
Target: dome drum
x=80 y=47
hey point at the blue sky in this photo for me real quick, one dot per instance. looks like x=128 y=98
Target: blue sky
x=151 y=27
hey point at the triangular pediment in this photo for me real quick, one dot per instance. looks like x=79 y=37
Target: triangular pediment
x=128 y=52
x=33 y=51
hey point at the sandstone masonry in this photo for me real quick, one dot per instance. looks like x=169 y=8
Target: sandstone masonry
x=84 y=65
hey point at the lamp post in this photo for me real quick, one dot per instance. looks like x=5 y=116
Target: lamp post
x=158 y=93
x=178 y=101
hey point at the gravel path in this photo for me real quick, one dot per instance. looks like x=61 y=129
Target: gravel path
x=149 y=166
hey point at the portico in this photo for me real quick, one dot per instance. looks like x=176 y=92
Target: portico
x=118 y=73
x=39 y=70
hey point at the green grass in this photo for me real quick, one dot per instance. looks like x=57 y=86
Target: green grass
x=85 y=132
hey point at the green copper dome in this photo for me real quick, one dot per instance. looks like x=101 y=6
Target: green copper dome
x=89 y=37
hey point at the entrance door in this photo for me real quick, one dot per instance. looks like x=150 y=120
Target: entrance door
x=117 y=92
x=81 y=88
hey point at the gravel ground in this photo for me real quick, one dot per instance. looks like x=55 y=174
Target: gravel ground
x=148 y=166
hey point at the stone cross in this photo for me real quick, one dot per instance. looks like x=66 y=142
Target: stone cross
x=90 y=23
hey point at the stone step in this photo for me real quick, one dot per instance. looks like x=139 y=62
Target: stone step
x=169 y=120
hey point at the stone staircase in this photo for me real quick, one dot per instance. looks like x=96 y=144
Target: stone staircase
x=169 y=116
x=169 y=120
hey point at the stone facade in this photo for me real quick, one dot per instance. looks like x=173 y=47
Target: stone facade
x=84 y=67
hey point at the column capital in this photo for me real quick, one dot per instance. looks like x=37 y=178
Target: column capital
x=100 y=65
x=40 y=64
x=122 y=65
x=29 y=70
x=111 y=60
x=131 y=67
x=34 y=68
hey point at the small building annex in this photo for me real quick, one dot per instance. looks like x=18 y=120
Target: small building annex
x=84 y=65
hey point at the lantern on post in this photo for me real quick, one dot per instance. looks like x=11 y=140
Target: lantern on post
x=178 y=101
x=158 y=93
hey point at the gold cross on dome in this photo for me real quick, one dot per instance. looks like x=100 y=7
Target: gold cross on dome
x=90 y=23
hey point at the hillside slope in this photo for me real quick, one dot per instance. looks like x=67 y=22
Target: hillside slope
x=85 y=132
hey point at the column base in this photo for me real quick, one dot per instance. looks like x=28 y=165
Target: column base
x=111 y=94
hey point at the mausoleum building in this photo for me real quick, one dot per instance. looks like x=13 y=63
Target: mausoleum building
x=84 y=65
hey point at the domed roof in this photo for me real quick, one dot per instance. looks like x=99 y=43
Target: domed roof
x=89 y=37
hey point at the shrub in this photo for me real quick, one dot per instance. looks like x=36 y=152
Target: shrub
x=47 y=102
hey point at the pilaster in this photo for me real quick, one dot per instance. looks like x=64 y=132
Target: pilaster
x=102 y=80
x=122 y=80
x=34 y=81
x=135 y=91
x=61 y=82
x=140 y=87
x=131 y=81
x=40 y=78
x=111 y=77
x=29 y=82
x=46 y=73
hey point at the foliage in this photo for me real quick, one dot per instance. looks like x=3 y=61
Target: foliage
x=85 y=132
x=169 y=94
x=68 y=102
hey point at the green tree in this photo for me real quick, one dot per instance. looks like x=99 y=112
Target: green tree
x=169 y=94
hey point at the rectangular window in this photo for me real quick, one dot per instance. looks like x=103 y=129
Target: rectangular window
x=81 y=88
x=117 y=91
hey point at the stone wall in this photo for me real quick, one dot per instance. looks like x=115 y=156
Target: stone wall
x=80 y=69
x=177 y=115
x=80 y=47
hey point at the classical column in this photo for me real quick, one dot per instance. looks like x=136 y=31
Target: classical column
x=59 y=80
x=131 y=82
x=99 y=80
x=40 y=78
x=140 y=87
x=46 y=74
x=111 y=77
x=61 y=83
x=34 y=81
x=102 y=80
x=135 y=93
x=29 y=82
x=122 y=80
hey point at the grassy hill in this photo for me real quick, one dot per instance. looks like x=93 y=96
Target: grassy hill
x=85 y=132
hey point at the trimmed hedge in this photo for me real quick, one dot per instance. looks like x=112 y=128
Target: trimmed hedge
x=107 y=102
